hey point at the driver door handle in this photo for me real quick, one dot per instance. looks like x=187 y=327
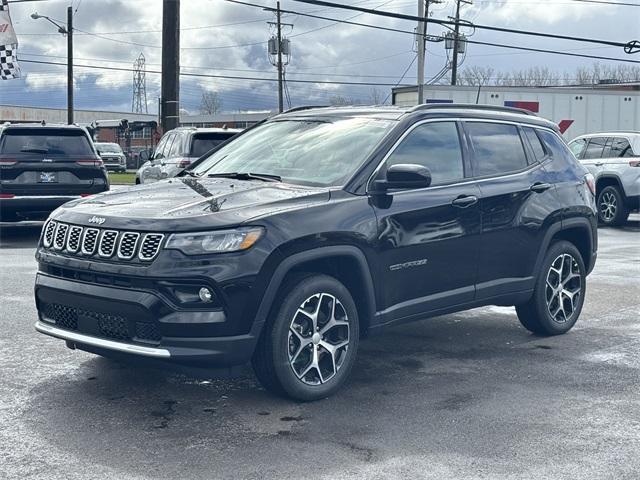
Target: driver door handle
x=540 y=187
x=464 y=201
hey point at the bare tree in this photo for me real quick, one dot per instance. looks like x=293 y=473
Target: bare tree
x=211 y=103
x=376 y=96
x=341 y=100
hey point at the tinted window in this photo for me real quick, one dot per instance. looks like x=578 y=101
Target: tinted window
x=595 y=148
x=497 y=148
x=437 y=147
x=534 y=141
x=108 y=147
x=558 y=148
x=620 y=148
x=577 y=147
x=203 y=142
x=45 y=141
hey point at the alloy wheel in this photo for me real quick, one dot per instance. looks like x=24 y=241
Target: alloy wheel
x=318 y=339
x=608 y=206
x=563 y=288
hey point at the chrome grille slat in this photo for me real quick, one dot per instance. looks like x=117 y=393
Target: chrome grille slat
x=128 y=244
x=60 y=237
x=90 y=241
x=150 y=246
x=49 y=230
x=73 y=239
x=107 y=245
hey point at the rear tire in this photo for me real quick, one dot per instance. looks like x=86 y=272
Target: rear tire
x=559 y=292
x=612 y=210
x=308 y=345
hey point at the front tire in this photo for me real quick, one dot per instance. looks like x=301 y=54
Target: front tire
x=559 y=293
x=309 y=343
x=611 y=207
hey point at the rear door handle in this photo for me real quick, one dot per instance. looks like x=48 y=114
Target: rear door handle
x=464 y=201
x=599 y=164
x=540 y=187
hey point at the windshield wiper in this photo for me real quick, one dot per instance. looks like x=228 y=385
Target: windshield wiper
x=265 y=177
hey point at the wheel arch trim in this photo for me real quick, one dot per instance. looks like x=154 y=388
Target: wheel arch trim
x=562 y=226
x=298 y=259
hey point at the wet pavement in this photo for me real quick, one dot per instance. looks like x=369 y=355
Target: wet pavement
x=471 y=395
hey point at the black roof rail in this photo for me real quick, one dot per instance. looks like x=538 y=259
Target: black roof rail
x=304 y=107
x=470 y=106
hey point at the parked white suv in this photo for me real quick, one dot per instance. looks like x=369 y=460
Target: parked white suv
x=614 y=160
x=178 y=148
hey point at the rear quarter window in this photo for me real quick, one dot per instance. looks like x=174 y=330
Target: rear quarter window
x=45 y=141
x=558 y=149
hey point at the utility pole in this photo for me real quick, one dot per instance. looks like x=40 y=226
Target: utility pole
x=170 y=90
x=454 y=66
x=69 y=65
x=280 y=86
x=277 y=47
x=422 y=28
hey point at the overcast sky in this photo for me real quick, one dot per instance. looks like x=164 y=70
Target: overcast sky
x=222 y=38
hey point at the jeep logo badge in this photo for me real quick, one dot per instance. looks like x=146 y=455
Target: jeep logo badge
x=97 y=220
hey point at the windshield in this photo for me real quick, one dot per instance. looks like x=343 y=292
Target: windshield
x=108 y=147
x=308 y=152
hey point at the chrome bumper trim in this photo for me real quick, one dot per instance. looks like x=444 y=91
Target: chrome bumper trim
x=54 y=331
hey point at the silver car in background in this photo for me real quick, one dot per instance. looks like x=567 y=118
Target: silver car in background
x=112 y=156
x=178 y=148
x=614 y=160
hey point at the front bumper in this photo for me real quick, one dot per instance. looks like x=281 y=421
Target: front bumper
x=135 y=323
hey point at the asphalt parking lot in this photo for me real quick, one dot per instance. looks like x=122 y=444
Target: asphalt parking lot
x=471 y=395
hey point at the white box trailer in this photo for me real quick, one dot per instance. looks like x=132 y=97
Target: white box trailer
x=576 y=110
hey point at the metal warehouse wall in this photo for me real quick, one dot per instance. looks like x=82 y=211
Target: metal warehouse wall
x=577 y=111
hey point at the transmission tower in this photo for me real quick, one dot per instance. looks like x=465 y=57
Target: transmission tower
x=139 y=102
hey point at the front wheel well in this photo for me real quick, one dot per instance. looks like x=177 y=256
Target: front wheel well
x=349 y=271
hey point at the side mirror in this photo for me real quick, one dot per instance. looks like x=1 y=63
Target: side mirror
x=144 y=155
x=404 y=176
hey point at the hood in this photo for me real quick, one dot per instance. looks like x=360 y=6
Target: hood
x=187 y=203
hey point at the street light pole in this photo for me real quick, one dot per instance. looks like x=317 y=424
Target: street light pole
x=68 y=31
x=69 y=65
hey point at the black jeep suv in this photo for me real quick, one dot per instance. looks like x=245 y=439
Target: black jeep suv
x=308 y=231
x=43 y=166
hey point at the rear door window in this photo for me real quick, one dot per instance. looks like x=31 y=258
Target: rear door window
x=203 y=142
x=595 y=148
x=497 y=147
x=176 y=147
x=45 y=141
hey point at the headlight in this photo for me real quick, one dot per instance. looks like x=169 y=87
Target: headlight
x=219 y=241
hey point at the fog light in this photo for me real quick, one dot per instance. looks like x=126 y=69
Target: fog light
x=205 y=295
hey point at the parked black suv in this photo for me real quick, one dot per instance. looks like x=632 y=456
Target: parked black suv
x=308 y=231
x=43 y=166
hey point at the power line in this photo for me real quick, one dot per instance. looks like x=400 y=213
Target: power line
x=476 y=42
x=414 y=18
x=604 y=2
x=233 y=77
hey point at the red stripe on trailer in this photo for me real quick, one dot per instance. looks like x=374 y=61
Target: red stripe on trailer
x=564 y=125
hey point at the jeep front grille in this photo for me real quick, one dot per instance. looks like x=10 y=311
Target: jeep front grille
x=107 y=243
x=60 y=236
x=90 y=242
x=150 y=246
x=49 y=231
x=73 y=242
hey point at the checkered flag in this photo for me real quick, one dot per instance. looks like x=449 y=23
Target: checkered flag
x=9 y=67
